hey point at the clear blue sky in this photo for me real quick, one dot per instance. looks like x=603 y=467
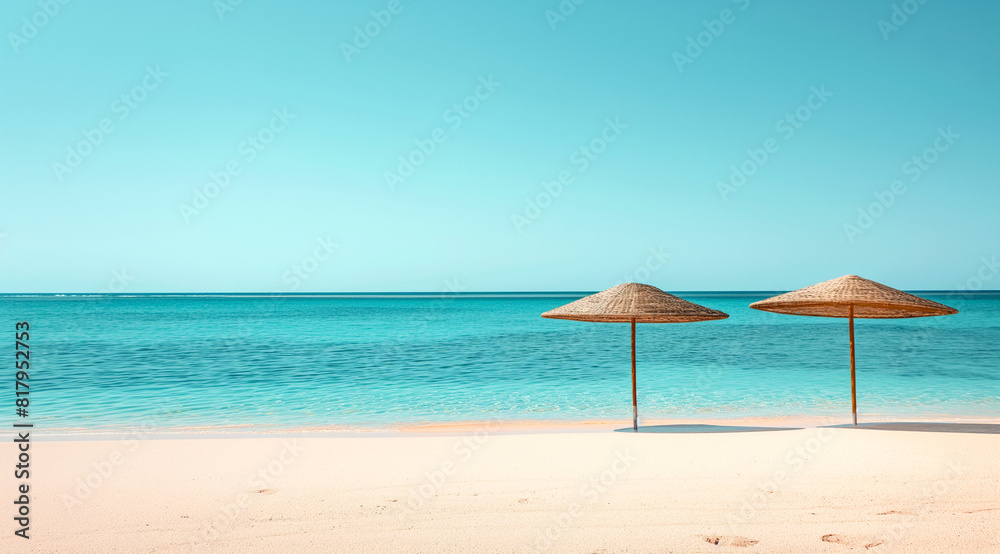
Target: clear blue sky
x=669 y=118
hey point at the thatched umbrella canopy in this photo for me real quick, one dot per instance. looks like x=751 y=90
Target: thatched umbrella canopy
x=852 y=297
x=635 y=303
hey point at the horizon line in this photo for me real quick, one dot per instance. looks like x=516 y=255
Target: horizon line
x=446 y=293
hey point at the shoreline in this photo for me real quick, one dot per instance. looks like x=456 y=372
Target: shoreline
x=510 y=427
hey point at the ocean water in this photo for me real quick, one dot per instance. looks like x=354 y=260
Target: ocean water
x=106 y=363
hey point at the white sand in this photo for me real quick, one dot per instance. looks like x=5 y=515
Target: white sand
x=806 y=490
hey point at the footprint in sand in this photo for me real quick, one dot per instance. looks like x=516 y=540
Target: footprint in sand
x=866 y=542
x=719 y=540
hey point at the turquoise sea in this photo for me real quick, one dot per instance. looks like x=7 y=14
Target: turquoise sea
x=107 y=363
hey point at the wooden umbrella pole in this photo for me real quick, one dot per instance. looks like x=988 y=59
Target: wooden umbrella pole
x=854 y=397
x=635 y=404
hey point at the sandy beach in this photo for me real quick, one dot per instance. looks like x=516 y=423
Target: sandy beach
x=671 y=488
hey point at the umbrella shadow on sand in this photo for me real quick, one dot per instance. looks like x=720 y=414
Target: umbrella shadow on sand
x=981 y=428
x=701 y=428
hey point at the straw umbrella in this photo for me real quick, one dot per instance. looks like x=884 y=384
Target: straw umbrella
x=852 y=297
x=635 y=303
